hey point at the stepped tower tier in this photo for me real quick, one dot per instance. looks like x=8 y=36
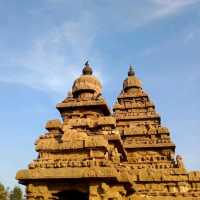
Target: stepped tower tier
x=147 y=143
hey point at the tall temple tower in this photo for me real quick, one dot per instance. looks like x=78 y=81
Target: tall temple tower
x=93 y=154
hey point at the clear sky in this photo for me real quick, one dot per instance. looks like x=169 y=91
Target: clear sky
x=44 y=44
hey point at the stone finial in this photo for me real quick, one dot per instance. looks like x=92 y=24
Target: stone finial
x=87 y=70
x=131 y=71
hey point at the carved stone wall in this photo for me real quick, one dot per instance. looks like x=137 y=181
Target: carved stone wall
x=127 y=155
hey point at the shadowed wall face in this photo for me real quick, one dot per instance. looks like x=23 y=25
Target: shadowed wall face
x=72 y=195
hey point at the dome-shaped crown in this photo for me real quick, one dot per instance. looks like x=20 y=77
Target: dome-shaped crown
x=87 y=82
x=132 y=81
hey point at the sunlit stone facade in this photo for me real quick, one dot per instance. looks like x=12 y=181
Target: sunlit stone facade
x=96 y=154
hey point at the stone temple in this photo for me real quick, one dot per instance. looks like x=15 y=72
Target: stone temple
x=96 y=154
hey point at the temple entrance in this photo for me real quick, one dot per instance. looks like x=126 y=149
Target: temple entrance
x=72 y=195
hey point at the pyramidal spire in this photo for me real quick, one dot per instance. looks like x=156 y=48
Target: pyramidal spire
x=87 y=70
x=131 y=71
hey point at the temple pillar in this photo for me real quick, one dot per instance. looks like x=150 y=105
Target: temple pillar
x=38 y=192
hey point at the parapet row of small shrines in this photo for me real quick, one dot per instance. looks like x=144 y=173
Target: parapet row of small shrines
x=95 y=154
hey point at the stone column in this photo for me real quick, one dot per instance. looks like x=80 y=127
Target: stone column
x=38 y=192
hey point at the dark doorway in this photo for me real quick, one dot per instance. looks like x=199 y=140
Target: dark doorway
x=73 y=195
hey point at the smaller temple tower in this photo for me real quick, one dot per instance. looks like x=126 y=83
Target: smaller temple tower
x=146 y=141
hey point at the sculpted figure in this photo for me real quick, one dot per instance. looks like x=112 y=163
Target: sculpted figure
x=110 y=193
x=115 y=156
x=179 y=161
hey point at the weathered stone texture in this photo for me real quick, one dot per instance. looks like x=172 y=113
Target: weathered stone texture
x=94 y=154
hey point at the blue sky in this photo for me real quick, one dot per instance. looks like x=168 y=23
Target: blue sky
x=44 y=44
